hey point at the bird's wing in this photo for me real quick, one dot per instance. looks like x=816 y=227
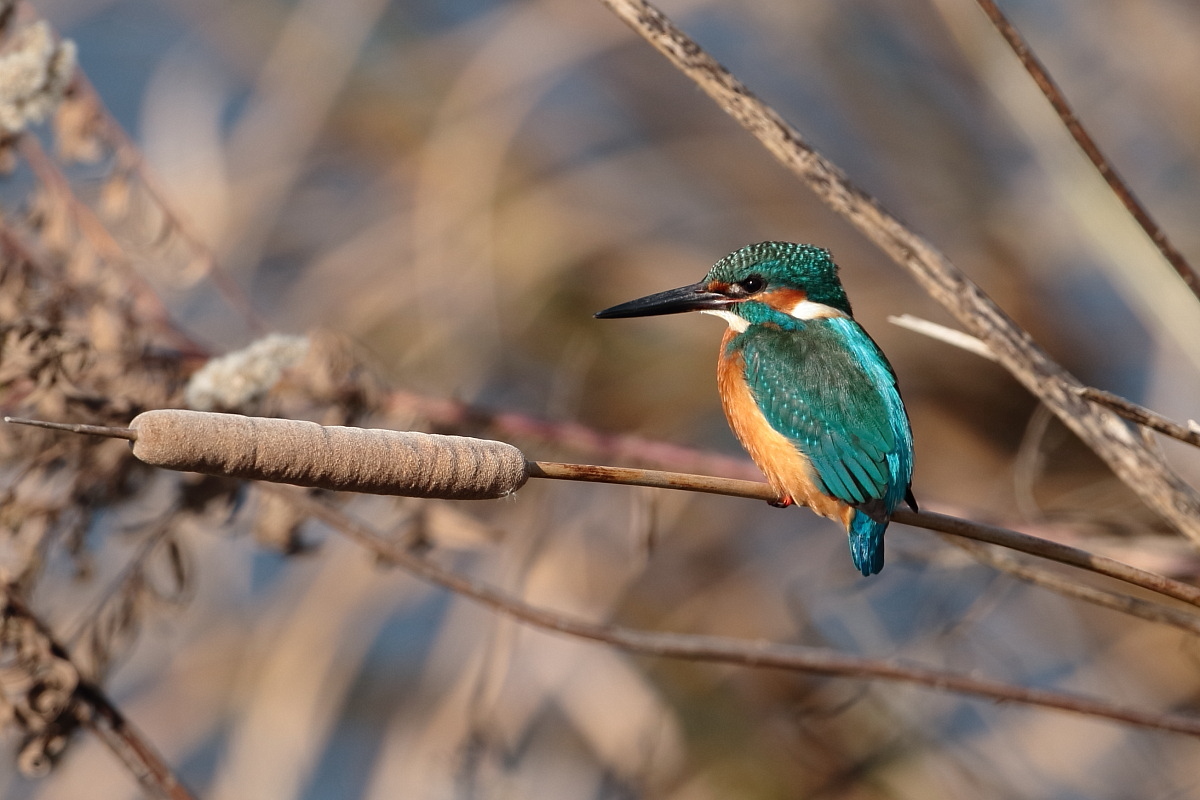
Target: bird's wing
x=830 y=390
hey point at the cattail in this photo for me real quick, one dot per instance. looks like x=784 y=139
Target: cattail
x=365 y=460
x=307 y=454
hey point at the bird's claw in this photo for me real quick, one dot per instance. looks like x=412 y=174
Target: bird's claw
x=782 y=502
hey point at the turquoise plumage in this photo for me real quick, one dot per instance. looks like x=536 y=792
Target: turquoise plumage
x=805 y=389
x=826 y=386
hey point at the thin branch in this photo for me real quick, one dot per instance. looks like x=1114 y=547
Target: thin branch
x=414 y=464
x=1088 y=145
x=107 y=431
x=126 y=742
x=1053 y=551
x=1143 y=470
x=656 y=479
x=719 y=649
x=1141 y=415
x=1047 y=579
x=952 y=526
x=952 y=337
x=1126 y=408
x=98 y=713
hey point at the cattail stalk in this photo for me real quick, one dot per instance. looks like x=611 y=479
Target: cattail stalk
x=413 y=464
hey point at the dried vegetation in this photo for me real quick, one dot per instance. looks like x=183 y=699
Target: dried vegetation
x=455 y=197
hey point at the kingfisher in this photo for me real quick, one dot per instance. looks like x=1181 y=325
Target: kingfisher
x=805 y=389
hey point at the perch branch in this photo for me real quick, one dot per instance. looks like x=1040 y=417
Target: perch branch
x=978 y=532
x=415 y=464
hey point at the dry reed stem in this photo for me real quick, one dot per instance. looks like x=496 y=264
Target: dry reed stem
x=1142 y=415
x=1088 y=145
x=1051 y=551
x=942 y=333
x=1126 y=408
x=1143 y=470
x=1038 y=576
x=720 y=649
x=454 y=467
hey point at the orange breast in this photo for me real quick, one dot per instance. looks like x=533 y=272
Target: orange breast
x=787 y=469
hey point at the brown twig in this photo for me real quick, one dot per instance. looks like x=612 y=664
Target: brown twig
x=656 y=479
x=139 y=756
x=1052 y=551
x=978 y=532
x=427 y=465
x=723 y=649
x=105 y=720
x=1127 y=409
x=1141 y=415
x=1142 y=469
x=1088 y=145
x=1047 y=579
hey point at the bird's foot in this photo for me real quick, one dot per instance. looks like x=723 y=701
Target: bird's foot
x=783 y=502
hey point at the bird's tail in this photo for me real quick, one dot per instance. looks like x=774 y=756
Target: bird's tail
x=866 y=542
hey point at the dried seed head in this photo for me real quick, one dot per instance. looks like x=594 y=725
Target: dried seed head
x=342 y=459
x=239 y=380
x=35 y=70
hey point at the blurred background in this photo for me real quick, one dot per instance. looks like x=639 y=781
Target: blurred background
x=454 y=188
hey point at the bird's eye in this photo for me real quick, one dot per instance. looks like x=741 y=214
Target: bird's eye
x=752 y=284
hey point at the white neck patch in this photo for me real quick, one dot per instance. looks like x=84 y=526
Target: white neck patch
x=807 y=309
x=737 y=323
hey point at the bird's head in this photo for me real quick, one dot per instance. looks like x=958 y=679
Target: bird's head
x=770 y=282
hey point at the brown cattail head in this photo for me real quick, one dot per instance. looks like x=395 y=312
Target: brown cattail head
x=343 y=459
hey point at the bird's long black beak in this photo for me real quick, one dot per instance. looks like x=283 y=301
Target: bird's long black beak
x=696 y=297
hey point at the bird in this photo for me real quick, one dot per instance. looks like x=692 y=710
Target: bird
x=806 y=390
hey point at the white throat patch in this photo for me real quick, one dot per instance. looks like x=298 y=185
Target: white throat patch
x=807 y=309
x=737 y=323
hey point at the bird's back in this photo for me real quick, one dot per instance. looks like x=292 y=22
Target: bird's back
x=824 y=390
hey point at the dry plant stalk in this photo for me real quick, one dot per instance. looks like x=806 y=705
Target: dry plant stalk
x=1037 y=71
x=413 y=464
x=79 y=336
x=328 y=457
x=83 y=337
x=1131 y=411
